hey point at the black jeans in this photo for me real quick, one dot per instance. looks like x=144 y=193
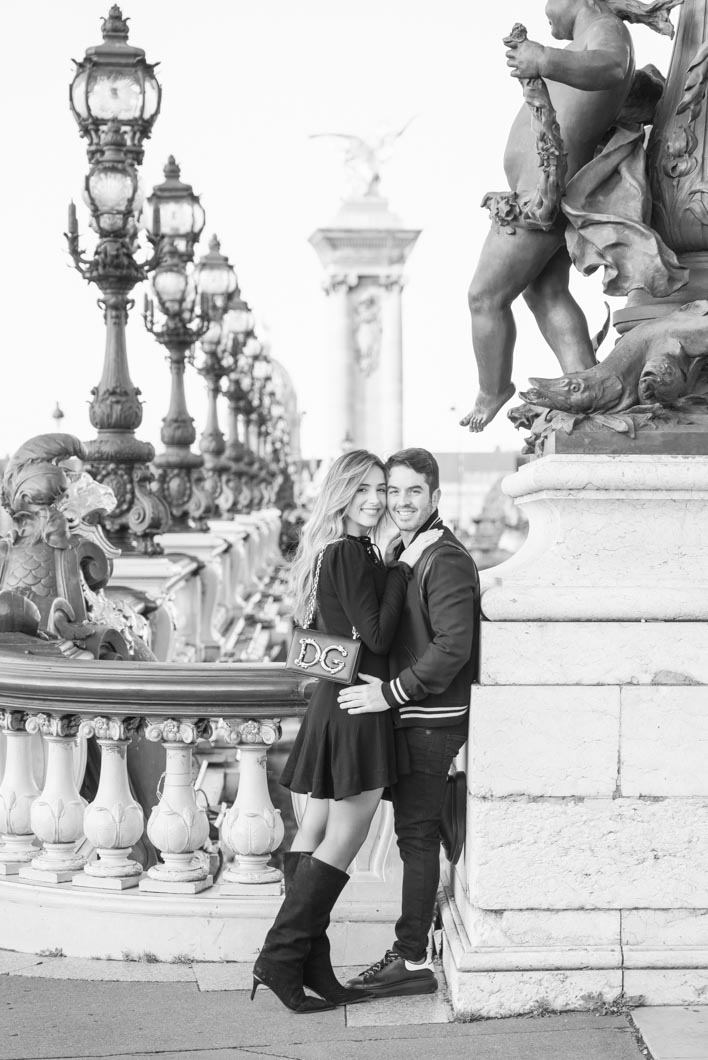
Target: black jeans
x=417 y=803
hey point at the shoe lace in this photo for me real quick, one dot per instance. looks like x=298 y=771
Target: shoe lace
x=388 y=958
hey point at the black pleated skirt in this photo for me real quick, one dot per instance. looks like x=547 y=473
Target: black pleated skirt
x=336 y=754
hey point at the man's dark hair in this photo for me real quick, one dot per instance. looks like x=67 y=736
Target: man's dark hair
x=419 y=460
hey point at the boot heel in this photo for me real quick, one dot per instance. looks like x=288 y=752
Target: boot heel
x=256 y=984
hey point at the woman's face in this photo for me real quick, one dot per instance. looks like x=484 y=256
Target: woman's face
x=368 y=504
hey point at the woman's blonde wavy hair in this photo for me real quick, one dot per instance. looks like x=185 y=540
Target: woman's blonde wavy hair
x=326 y=523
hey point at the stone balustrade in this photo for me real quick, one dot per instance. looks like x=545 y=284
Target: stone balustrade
x=201 y=584
x=51 y=840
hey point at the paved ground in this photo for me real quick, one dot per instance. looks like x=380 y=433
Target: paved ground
x=675 y=1032
x=57 y=1008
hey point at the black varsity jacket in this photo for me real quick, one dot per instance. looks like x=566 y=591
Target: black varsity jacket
x=435 y=653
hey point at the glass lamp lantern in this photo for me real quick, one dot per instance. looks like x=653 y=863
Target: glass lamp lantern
x=114 y=82
x=174 y=211
x=112 y=189
x=238 y=319
x=215 y=277
x=174 y=289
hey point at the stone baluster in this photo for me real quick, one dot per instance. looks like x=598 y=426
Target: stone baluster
x=260 y=545
x=187 y=597
x=114 y=821
x=209 y=586
x=57 y=814
x=237 y=600
x=252 y=827
x=275 y=527
x=178 y=826
x=250 y=543
x=17 y=793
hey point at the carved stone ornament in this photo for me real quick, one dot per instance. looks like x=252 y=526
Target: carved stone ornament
x=366 y=314
x=340 y=282
x=64 y=726
x=13 y=721
x=175 y=730
x=110 y=728
x=250 y=732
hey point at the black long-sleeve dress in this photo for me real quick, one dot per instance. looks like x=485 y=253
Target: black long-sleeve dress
x=337 y=754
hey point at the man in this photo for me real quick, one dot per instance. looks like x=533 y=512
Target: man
x=433 y=663
x=588 y=83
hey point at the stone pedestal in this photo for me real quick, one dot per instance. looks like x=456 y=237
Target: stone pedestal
x=610 y=538
x=584 y=871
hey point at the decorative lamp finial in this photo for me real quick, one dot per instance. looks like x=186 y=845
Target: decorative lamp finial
x=115 y=27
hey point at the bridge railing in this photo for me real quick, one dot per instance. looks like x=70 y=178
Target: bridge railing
x=50 y=834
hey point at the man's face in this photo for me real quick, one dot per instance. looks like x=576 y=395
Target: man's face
x=410 y=501
x=561 y=15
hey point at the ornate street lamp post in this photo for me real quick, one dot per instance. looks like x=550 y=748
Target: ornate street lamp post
x=115 y=99
x=177 y=467
x=216 y=283
x=175 y=216
x=244 y=352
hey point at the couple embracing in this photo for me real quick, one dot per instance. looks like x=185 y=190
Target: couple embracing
x=396 y=730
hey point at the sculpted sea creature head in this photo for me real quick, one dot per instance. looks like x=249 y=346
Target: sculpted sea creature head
x=84 y=499
x=34 y=481
x=664 y=379
x=587 y=391
x=33 y=477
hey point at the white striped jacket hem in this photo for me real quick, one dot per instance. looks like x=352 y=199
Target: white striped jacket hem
x=434 y=712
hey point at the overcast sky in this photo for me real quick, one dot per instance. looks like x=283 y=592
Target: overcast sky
x=245 y=82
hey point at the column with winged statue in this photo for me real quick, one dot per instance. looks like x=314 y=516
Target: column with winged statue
x=363 y=251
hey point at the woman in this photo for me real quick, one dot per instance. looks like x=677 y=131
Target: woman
x=342 y=761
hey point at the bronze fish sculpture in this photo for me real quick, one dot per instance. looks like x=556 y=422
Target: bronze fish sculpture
x=653 y=363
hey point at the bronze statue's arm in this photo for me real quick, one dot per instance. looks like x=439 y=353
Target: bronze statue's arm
x=602 y=65
x=542 y=210
x=594 y=70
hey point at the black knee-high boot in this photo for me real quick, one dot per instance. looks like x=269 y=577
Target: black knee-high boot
x=317 y=973
x=313 y=890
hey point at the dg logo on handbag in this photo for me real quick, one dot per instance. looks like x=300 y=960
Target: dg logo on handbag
x=324 y=655
x=312 y=654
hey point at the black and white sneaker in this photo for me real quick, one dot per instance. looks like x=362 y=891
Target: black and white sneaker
x=393 y=976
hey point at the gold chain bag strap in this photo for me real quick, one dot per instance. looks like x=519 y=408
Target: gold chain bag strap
x=323 y=655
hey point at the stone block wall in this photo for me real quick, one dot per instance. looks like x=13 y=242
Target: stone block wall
x=585 y=871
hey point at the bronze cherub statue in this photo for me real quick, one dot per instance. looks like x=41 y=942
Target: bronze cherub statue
x=582 y=130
